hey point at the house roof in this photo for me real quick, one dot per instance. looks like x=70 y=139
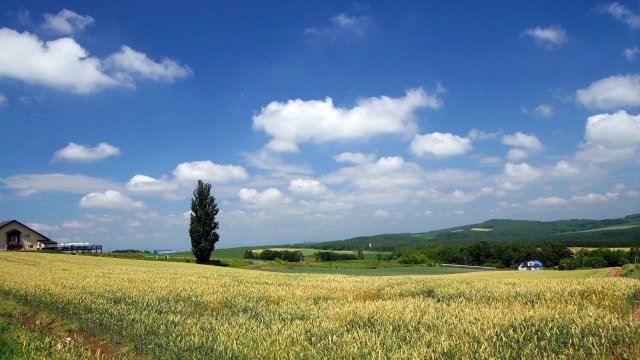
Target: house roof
x=7 y=222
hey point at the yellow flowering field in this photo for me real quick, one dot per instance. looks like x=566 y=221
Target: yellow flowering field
x=176 y=310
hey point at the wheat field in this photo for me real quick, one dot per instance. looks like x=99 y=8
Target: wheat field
x=175 y=310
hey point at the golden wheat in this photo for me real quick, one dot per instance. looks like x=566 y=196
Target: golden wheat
x=173 y=310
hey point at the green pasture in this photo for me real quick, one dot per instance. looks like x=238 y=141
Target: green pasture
x=238 y=253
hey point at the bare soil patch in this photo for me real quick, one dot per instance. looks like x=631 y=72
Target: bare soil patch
x=615 y=272
x=82 y=338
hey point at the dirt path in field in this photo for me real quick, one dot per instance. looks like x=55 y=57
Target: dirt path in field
x=615 y=272
x=80 y=337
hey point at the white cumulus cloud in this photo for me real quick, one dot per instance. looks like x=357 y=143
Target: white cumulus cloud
x=385 y=173
x=84 y=153
x=298 y=121
x=208 y=171
x=517 y=175
x=266 y=198
x=517 y=154
x=143 y=183
x=66 y=22
x=614 y=92
x=611 y=137
x=109 y=199
x=64 y=64
x=308 y=187
x=60 y=63
x=564 y=169
x=523 y=144
x=523 y=141
x=592 y=198
x=354 y=158
x=439 y=145
x=129 y=63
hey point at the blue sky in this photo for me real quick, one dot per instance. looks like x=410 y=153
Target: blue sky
x=315 y=120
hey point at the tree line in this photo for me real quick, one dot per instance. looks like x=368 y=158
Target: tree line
x=268 y=254
x=511 y=255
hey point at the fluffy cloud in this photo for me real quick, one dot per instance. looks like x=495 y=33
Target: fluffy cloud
x=129 y=63
x=455 y=197
x=517 y=175
x=66 y=22
x=439 y=145
x=109 y=199
x=614 y=92
x=343 y=25
x=622 y=13
x=65 y=65
x=564 y=169
x=517 y=154
x=523 y=145
x=548 y=201
x=591 y=198
x=60 y=63
x=80 y=153
x=266 y=198
x=307 y=187
x=143 y=183
x=523 y=141
x=354 y=158
x=208 y=171
x=34 y=183
x=552 y=36
x=298 y=121
x=3 y=100
x=611 y=137
x=387 y=172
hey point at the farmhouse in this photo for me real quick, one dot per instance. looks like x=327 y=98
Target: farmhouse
x=16 y=236
x=530 y=265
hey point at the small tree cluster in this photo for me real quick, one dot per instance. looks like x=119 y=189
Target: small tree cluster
x=268 y=254
x=597 y=258
x=333 y=256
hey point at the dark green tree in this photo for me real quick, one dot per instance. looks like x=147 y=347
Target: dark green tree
x=203 y=226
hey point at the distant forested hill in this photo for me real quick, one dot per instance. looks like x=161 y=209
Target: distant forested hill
x=578 y=232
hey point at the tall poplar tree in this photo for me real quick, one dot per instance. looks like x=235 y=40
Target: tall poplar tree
x=202 y=229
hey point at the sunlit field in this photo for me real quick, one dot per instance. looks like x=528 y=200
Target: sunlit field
x=180 y=310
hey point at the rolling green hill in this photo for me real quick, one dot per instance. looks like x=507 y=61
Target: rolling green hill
x=576 y=232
